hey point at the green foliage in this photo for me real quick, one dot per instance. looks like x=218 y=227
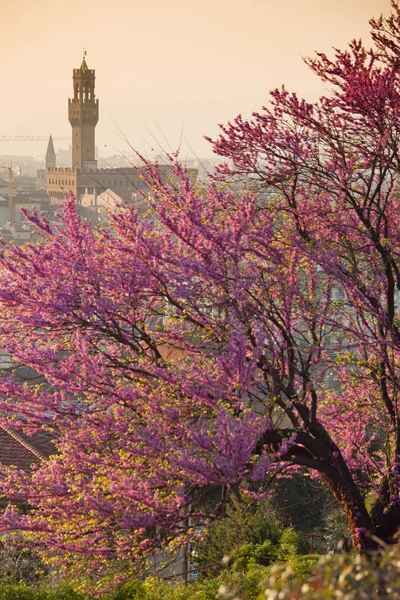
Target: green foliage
x=244 y=579
x=291 y=544
x=247 y=554
x=302 y=566
x=131 y=590
x=246 y=523
x=150 y=589
x=340 y=576
x=156 y=589
x=22 y=591
x=246 y=585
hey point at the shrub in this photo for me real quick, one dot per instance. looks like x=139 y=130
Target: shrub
x=22 y=591
x=245 y=523
x=340 y=576
x=291 y=544
x=157 y=589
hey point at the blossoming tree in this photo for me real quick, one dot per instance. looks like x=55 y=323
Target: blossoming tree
x=224 y=337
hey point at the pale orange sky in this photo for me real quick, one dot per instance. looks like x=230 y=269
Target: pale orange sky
x=162 y=66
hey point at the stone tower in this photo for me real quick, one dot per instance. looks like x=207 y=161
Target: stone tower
x=83 y=114
x=50 y=155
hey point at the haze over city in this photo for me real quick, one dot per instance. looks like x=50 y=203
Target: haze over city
x=166 y=70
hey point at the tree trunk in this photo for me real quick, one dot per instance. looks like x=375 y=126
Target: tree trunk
x=359 y=521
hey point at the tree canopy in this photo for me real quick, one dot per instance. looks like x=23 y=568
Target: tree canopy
x=225 y=337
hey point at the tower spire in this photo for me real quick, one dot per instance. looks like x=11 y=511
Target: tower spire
x=50 y=154
x=84 y=66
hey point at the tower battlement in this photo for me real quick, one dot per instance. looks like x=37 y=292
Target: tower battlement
x=77 y=101
x=78 y=71
x=59 y=170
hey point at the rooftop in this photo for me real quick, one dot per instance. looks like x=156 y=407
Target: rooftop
x=16 y=449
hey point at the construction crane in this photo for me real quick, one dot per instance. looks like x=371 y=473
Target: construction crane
x=29 y=138
x=11 y=171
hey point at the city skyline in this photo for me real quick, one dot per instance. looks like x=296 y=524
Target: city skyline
x=166 y=73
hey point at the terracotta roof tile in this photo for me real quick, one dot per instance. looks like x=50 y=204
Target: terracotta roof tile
x=21 y=451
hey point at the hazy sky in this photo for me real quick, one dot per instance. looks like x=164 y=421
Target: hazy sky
x=162 y=67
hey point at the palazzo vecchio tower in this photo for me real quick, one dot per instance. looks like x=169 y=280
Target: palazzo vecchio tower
x=83 y=179
x=83 y=114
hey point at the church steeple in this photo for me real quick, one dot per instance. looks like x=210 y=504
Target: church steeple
x=50 y=154
x=83 y=114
